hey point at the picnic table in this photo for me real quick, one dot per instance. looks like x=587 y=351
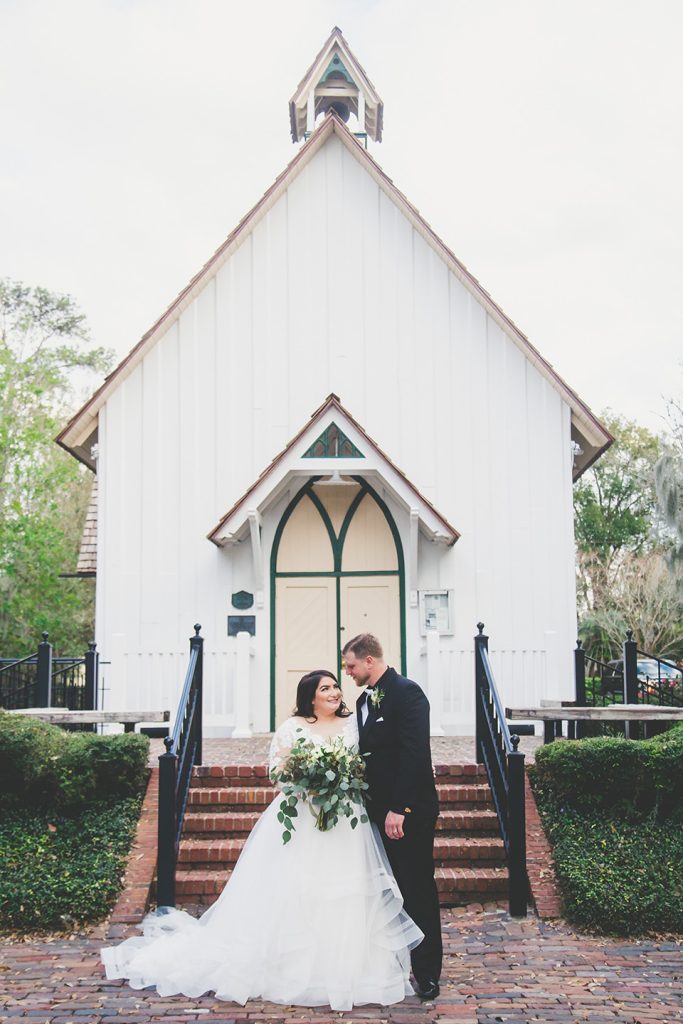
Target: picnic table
x=566 y=711
x=60 y=716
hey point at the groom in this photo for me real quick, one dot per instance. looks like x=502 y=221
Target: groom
x=393 y=723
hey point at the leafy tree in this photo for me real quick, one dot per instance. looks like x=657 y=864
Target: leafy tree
x=615 y=498
x=642 y=597
x=615 y=509
x=44 y=351
x=669 y=484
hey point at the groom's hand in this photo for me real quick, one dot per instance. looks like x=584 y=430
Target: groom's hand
x=393 y=825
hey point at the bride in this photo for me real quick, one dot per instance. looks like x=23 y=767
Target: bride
x=316 y=922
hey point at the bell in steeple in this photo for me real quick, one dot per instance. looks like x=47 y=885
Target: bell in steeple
x=336 y=81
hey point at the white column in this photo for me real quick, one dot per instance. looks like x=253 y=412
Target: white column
x=412 y=559
x=242 y=728
x=256 y=554
x=434 y=682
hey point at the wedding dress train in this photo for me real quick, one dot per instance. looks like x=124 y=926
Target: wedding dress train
x=316 y=922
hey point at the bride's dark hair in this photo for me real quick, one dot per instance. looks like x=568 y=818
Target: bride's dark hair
x=305 y=694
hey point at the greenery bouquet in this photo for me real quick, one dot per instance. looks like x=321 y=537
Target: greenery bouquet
x=328 y=778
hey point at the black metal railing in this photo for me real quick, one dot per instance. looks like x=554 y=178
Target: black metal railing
x=497 y=750
x=635 y=678
x=42 y=680
x=183 y=751
x=18 y=683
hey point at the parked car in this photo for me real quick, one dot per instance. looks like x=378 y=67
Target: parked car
x=649 y=670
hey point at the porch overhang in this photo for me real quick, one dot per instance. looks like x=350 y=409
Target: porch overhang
x=355 y=455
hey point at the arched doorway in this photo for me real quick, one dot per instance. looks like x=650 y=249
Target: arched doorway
x=336 y=570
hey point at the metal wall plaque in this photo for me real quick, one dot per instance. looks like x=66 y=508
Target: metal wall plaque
x=241 y=624
x=242 y=599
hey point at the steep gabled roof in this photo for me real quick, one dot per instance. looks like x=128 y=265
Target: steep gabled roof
x=591 y=436
x=365 y=458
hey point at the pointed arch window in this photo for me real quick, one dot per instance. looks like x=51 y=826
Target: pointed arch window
x=333 y=444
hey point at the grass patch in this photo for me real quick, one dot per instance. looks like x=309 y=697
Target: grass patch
x=58 y=871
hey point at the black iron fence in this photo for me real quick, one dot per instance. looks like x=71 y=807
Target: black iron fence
x=43 y=680
x=497 y=750
x=183 y=751
x=635 y=678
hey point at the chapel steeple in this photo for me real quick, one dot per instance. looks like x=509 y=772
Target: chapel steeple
x=336 y=81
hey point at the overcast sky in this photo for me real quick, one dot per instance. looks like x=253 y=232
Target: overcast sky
x=542 y=140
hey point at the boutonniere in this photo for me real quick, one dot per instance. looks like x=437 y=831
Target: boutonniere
x=376 y=696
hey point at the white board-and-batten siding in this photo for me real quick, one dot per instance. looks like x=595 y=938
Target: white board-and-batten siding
x=334 y=290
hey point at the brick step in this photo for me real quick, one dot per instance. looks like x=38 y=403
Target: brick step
x=459 y=796
x=446 y=772
x=216 y=776
x=451 y=797
x=242 y=775
x=459 y=886
x=220 y=824
x=462 y=822
x=233 y=797
x=223 y=824
x=456 y=886
x=206 y=853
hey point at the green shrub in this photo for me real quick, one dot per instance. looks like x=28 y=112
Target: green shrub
x=617 y=877
x=56 y=871
x=631 y=779
x=612 y=809
x=44 y=766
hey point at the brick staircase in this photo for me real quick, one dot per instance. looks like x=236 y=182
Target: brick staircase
x=225 y=802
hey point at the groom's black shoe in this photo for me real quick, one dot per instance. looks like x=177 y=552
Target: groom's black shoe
x=426 y=988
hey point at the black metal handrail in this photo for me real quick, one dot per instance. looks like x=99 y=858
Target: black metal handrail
x=183 y=751
x=497 y=750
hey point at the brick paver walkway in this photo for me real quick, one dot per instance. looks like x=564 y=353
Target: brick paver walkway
x=496 y=970
x=445 y=749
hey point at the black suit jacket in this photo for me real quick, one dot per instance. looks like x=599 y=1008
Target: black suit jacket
x=395 y=745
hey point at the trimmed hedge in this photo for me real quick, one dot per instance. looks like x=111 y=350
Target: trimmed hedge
x=58 y=871
x=624 y=777
x=613 y=810
x=41 y=765
x=616 y=877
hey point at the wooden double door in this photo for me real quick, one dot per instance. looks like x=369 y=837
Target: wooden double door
x=338 y=571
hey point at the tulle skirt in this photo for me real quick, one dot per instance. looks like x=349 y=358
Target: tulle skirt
x=316 y=922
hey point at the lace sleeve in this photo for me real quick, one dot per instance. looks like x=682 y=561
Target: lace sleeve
x=351 y=732
x=281 y=744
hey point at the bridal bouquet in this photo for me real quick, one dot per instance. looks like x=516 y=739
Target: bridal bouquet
x=329 y=778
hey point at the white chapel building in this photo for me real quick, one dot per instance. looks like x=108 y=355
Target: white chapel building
x=333 y=429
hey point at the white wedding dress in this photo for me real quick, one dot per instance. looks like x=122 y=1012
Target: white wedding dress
x=316 y=922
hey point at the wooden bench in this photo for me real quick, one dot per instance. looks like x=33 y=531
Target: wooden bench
x=60 y=716
x=564 y=711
